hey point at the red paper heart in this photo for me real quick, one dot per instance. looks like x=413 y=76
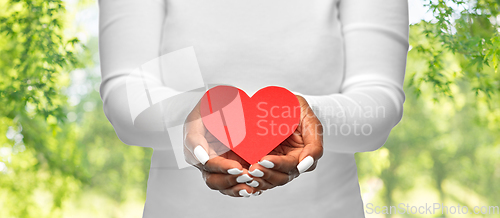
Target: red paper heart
x=251 y=127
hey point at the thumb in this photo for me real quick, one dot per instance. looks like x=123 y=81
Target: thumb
x=194 y=137
x=312 y=135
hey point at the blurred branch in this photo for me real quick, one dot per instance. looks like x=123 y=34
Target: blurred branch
x=468 y=29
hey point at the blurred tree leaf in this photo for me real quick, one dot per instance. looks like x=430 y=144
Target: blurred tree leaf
x=468 y=29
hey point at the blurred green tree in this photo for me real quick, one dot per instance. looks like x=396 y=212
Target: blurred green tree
x=448 y=137
x=34 y=56
x=469 y=29
x=45 y=161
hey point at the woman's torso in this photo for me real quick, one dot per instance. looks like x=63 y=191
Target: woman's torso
x=253 y=44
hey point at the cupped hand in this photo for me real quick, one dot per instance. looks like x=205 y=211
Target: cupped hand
x=297 y=154
x=221 y=168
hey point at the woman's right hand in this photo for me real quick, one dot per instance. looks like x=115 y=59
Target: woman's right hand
x=221 y=168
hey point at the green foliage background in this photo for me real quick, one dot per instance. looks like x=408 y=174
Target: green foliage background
x=60 y=157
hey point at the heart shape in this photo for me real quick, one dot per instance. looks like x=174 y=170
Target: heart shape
x=250 y=127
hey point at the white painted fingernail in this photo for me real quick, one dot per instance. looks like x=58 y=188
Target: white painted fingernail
x=253 y=184
x=234 y=171
x=267 y=164
x=256 y=173
x=201 y=154
x=257 y=193
x=305 y=164
x=244 y=193
x=244 y=178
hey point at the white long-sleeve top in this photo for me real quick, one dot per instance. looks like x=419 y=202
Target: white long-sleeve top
x=346 y=57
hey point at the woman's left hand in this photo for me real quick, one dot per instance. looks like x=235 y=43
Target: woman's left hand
x=299 y=153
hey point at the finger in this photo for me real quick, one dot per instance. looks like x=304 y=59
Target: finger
x=222 y=165
x=270 y=176
x=260 y=184
x=313 y=149
x=307 y=164
x=282 y=163
x=190 y=159
x=217 y=181
x=194 y=138
x=240 y=190
x=295 y=139
x=233 y=156
x=198 y=147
